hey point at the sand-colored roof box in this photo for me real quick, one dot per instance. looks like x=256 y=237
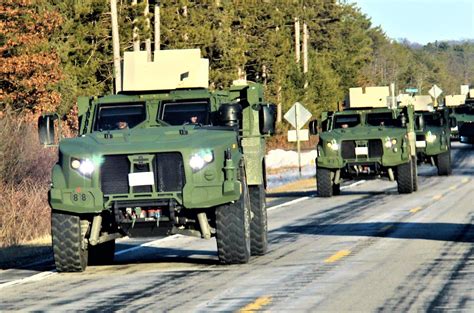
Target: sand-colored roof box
x=423 y=103
x=375 y=97
x=171 y=69
x=454 y=100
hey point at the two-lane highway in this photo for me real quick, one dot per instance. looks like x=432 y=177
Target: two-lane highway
x=369 y=249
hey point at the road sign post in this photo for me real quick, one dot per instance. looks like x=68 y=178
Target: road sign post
x=297 y=116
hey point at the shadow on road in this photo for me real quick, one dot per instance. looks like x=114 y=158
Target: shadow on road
x=427 y=231
x=166 y=255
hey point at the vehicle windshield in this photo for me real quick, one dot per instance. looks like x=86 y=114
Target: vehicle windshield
x=185 y=112
x=383 y=119
x=465 y=109
x=433 y=120
x=346 y=120
x=120 y=116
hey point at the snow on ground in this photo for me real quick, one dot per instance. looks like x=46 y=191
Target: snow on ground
x=288 y=162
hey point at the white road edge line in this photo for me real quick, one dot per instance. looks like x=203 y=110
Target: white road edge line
x=308 y=197
x=43 y=275
x=36 y=277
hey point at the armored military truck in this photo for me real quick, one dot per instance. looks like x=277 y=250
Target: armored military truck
x=165 y=156
x=462 y=110
x=433 y=142
x=366 y=140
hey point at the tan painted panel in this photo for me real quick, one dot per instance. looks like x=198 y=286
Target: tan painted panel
x=471 y=93
x=454 y=100
x=171 y=69
x=423 y=103
x=368 y=97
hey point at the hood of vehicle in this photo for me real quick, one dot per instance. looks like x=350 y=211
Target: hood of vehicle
x=145 y=140
x=363 y=132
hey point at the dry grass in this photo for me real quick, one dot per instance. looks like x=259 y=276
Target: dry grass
x=25 y=169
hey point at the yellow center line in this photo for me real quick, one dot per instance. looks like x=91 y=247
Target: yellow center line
x=453 y=187
x=337 y=256
x=256 y=305
x=414 y=210
x=437 y=197
x=465 y=180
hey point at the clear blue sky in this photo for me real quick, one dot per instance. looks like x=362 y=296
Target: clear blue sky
x=421 y=21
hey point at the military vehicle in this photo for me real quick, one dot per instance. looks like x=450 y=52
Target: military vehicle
x=165 y=156
x=366 y=140
x=433 y=142
x=463 y=112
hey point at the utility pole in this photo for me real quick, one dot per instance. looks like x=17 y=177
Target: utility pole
x=116 y=46
x=297 y=40
x=157 y=26
x=136 y=39
x=305 y=53
x=148 y=29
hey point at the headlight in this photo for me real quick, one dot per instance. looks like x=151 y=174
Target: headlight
x=85 y=167
x=333 y=145
x=201 y=159
x=430 y=137
x=390 y=142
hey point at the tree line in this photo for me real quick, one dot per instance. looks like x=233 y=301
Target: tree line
x=55 y=50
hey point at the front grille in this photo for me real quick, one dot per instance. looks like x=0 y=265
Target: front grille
x=348 y=149
x=466 y=129
x=168 y=170
x=374 y=146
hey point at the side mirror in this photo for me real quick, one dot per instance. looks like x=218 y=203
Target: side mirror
x=313 y=127
x=453 y=122
x=46 y=130
x=419 y=122
x=267 y=117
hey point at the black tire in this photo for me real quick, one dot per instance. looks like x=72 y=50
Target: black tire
x=405 y=177
x=415 y=173
x=233 y=230
x=102 y=254
x=336 y=189
x=324 y=182
x=443 y=162
x=258 y=224
x=69 y=256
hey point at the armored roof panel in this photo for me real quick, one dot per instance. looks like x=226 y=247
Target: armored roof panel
x=454 y=100
x=170 y=69
x=368 y=97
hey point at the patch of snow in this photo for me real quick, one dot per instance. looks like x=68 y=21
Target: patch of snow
x=288 y=160
x=279 y=158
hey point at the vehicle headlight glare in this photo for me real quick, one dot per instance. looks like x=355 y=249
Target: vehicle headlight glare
x=201 y=159
x=430 y=137
x=388 y=144
x=196 y=162
x=86 y=167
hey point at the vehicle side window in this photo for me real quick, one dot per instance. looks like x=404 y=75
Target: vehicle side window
x=346 y=121
x=179 y=113
x=119 y=116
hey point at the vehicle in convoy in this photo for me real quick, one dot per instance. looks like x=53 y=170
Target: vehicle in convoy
x=462 y=110
x=433 y=142
x=165 y=156
x=366 y=140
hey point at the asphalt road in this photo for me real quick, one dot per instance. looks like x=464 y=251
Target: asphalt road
x=369 y=249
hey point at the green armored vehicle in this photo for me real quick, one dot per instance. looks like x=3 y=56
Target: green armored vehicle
x=464 y=115
x=433 y=140
x=366 y=140
x=173 y=159
x=462 y=110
